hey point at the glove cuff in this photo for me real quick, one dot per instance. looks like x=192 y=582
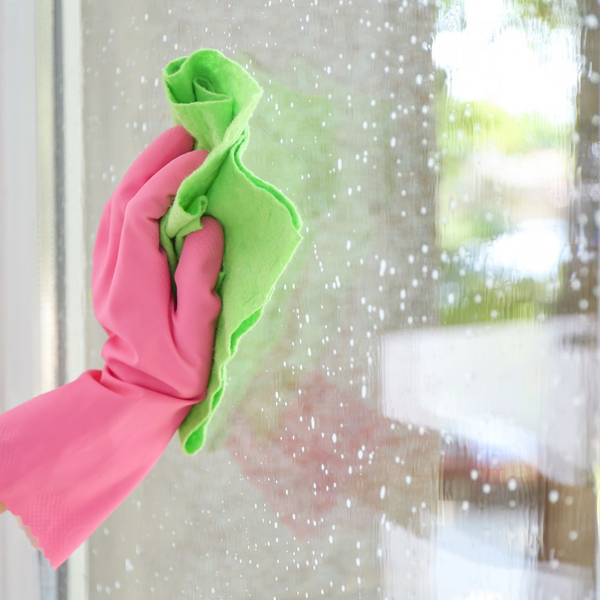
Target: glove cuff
x=69 y=457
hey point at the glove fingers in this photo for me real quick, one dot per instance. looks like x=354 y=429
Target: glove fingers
x=155 y=197
x=141 y=279
x=164 y=149
x=172 y=143
x=198 y=305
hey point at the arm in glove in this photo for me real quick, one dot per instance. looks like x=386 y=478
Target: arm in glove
x=69 y=457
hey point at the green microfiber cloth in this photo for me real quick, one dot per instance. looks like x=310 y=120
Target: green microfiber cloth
x=213 y=98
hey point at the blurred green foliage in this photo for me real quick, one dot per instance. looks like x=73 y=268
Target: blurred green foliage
x=467 y=127
x=465 y=130
x=479 y=299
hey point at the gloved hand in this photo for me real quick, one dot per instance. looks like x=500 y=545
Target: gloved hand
x=153 y=343
x=69 y=457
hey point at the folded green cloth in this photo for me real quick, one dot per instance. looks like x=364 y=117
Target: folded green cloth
x=214 y=98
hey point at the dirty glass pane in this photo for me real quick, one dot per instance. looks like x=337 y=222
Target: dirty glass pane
x=415 y=416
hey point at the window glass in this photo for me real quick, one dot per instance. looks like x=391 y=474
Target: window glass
x=415 y=416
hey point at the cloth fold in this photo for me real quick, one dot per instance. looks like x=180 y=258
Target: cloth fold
x=213 y=98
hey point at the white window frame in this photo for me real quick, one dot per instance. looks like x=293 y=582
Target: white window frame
x=41 y=79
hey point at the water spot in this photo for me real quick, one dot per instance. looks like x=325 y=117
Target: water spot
x=553 y=496
x=591 y=21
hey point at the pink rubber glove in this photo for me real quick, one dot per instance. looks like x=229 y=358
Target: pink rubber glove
x=69 y=457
